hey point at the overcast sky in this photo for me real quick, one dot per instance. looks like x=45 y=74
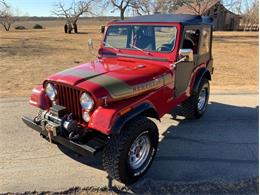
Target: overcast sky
x=41 y=7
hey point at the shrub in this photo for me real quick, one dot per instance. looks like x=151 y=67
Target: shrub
x=20 y=28
x=37 y=26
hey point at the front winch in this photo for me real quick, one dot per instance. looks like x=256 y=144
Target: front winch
x=74 y=130
x=87 y=148
x=57 y=121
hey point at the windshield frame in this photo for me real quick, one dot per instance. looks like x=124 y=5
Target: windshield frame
x=142 y=24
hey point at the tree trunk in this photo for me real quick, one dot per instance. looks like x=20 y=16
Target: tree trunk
x=66 y=28
x=8 y=27
x=69 y=28
x=75 y=27
x=122 y=14
x=5 y=28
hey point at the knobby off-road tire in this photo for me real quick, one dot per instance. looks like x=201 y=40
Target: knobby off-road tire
x=118 y=158
x=196 y=105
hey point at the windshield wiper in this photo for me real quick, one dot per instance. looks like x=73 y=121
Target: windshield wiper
x=147 y=53
x=111 y=46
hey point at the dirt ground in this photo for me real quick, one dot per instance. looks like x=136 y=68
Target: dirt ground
x=29 y=56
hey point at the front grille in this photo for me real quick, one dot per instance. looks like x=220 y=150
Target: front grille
x=69 y=98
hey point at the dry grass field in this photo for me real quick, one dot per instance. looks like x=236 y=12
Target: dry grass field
x=29 y=56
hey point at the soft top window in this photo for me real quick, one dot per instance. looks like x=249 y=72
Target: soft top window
x=144 y=37
x=205 y=40
x=191 y=40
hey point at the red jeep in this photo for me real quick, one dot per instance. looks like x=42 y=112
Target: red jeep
x=146 y=66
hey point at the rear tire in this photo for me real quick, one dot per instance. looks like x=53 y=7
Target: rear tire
x=196 y=105
x=128 y=155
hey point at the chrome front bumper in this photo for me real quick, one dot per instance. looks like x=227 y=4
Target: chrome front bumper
x=92 y=144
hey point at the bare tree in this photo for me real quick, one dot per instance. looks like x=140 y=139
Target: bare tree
x=121 y=5
x=6 y=19
x=73 y=12
x=140 y=7
x=167 y=6
x=233 y=5
x=6 y=16
x=3 y=3
x=143 y=7
x=250 y=17
x=197 y=6
x=247 y=9
x=200 y=7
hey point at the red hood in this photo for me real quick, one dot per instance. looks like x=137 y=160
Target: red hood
x=110 y=75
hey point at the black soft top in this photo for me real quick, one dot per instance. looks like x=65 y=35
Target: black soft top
x=179 y=18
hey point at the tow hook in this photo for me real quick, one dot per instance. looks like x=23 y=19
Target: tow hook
x=49 y=129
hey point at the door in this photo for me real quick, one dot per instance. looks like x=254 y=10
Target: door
x=183 y=70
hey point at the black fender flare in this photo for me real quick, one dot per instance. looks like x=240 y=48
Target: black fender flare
x=203 y=72
x=145 y=109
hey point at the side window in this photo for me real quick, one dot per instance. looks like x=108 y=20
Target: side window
x=191 y=40
x=205 y=41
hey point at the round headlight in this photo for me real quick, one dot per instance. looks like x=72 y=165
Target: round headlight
x=86 y=102
x=51 y=91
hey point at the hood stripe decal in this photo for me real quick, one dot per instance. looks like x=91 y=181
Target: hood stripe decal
x=117 y=88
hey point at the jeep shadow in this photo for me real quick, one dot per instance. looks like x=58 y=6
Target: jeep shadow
x=222 y=146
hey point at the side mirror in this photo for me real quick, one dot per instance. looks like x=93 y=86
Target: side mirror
x=102 y=29
x=187 y=54
x=90 y=46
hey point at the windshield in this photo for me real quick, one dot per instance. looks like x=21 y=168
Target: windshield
x=141 y=37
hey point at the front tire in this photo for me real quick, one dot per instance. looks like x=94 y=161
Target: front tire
x=129 y=155
x=196 y=105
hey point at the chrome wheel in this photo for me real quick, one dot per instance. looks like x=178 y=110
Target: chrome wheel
x=202 y=99
x=139 y=151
